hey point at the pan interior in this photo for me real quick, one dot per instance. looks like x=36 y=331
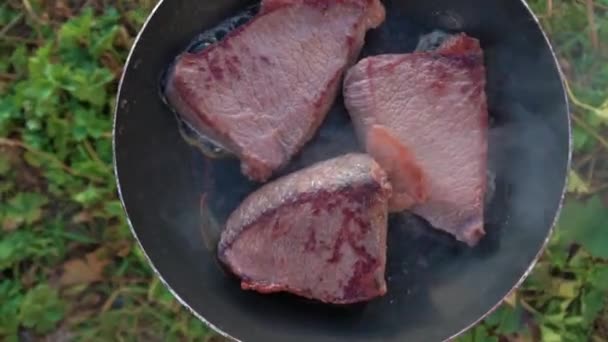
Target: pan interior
x=177 y=198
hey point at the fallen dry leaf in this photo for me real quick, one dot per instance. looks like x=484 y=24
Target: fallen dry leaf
x=124 y=249
x=82 y=217
x=28 y=279
x=8 y=225
x=511 y=299
x=83 y=271
x=62 y=9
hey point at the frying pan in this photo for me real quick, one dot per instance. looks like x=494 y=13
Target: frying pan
x=176 y=198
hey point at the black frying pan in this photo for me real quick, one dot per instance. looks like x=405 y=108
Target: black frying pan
x=437 y=287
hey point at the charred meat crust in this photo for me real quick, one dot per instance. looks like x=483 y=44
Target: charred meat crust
x=327 y=222
x=254 y=124
x=267 y=200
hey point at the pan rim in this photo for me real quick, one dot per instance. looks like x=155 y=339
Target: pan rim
x=225 y=334
x=119 y=187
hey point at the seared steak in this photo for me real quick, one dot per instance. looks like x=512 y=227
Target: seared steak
x=319 y=233
x=263 y=91
x=424 y=117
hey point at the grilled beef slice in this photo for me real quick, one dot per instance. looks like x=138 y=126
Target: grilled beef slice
x=319 y=233
x=424 y=117
x=264 y=90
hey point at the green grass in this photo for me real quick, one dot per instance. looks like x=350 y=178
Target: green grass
x=69 y=268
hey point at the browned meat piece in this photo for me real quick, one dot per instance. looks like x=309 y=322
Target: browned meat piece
x=264 y=90
x=319 y=233
x=433 y=105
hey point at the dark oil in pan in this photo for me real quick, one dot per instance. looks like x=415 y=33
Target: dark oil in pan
x=223 y=187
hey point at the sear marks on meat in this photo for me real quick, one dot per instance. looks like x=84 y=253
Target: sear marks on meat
x=264 y=90
x=433 y=105
x=319 y=233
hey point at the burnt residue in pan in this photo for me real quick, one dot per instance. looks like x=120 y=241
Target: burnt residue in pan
x=217 y=33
